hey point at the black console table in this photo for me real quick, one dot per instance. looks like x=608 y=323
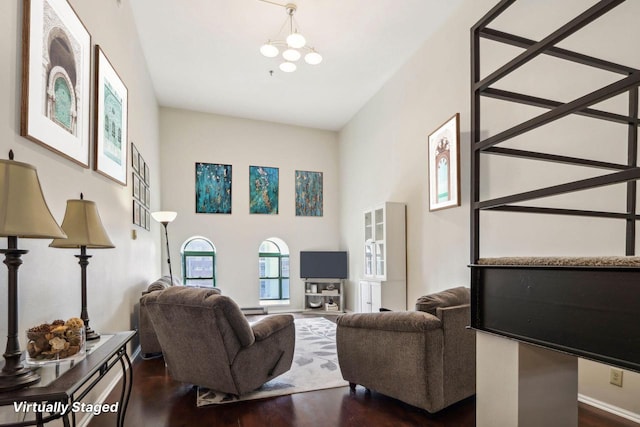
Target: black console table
x=64 y=384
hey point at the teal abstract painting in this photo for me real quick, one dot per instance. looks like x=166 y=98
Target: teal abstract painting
x=213 y=188
x=263 y=190
x=308 y=193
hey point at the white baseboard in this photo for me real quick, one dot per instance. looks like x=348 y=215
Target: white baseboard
x=84 y=422
x=623 y=413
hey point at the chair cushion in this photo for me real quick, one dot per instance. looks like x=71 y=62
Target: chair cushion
x=448 y=298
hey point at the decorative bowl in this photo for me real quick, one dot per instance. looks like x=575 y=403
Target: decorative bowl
x=56 y=341
x=315 y=302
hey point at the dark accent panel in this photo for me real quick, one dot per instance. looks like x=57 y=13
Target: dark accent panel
x=588 y=312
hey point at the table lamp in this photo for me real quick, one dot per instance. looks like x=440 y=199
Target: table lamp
x=84 y=230
x=23 y=213
x=164 y=218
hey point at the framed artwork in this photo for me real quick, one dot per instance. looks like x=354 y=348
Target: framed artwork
x=56 y=84
x=263 y=190
x=111 y=113
x=134 y=158
x=140 y=161
x=309 y=197
x=142 y=188
x=136 y=213
x=143 y=218
x=444 y=165
x=213 y=188
x=136 y=186
x=141 y=192
x=146 y=174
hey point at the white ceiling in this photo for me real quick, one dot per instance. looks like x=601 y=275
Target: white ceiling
x=203 y=55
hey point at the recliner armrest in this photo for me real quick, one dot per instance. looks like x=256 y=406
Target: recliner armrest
x=270 y=325
x=460 y=314
x=400 y=321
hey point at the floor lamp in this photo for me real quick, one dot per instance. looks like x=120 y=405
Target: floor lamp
x=23 y=213
x=84 y=230
x=164 y=218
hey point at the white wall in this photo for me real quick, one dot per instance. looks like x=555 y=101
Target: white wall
x=190 y=137
x=49 y=279
x=383 y=155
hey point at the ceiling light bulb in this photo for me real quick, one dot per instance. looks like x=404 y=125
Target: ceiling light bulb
x=296 y=40
x=291 y=55
x=288 y=67
x=313 y=58
x=269 y=50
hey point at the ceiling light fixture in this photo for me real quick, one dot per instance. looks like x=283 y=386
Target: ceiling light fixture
x=294 y=44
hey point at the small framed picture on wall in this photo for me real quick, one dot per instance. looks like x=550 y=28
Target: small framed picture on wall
x=444 y=165
x=136 y=186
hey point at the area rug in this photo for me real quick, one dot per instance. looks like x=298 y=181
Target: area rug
x=315 y=366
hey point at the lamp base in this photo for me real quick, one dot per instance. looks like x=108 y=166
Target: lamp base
x=90 y=334
x=18 y=379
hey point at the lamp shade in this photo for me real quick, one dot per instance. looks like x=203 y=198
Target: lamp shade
x=313 y=58
x=83 y=227
x=269 y=50
x=23 y=210
x=291 y=55
x=296 y=40
x=164 y=216
x=288 y=67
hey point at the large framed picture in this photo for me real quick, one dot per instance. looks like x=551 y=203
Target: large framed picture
x=444 y=165
x=309 y=193
x=213 y=188
x=263 y=190
x=111 y=111
x=56 y=83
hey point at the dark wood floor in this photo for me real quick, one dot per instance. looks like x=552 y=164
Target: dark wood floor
x=159 y=401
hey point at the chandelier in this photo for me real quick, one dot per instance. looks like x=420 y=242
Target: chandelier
x=294 y=45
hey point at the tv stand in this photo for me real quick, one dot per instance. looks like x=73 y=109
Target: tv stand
x=319 y=293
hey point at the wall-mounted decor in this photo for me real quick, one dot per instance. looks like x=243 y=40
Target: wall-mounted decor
x=134 y=158
x=135 y=182
x=136 y=213
x=444 y=165
x=213 y=188
x=141 y=192
x=309 y=193
x=56 y=65
x=263 y=190
x=111 y=111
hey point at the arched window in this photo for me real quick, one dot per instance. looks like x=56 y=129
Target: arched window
x=273 y=263
x=198 y=262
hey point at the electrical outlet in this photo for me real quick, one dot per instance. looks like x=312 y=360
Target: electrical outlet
x=615 y=377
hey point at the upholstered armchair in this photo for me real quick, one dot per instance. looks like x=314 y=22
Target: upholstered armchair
x=149 y=345
x=425 y=358
x=207 y=341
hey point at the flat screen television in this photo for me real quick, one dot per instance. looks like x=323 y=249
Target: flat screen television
x=323 y=265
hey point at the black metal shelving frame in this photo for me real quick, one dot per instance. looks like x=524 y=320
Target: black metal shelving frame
x=589 y=311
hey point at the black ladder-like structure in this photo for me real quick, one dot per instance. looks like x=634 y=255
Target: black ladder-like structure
x=567 y=308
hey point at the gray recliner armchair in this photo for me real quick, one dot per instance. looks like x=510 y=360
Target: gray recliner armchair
x=207 y=341
x=426 y=358
x=149 y=345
